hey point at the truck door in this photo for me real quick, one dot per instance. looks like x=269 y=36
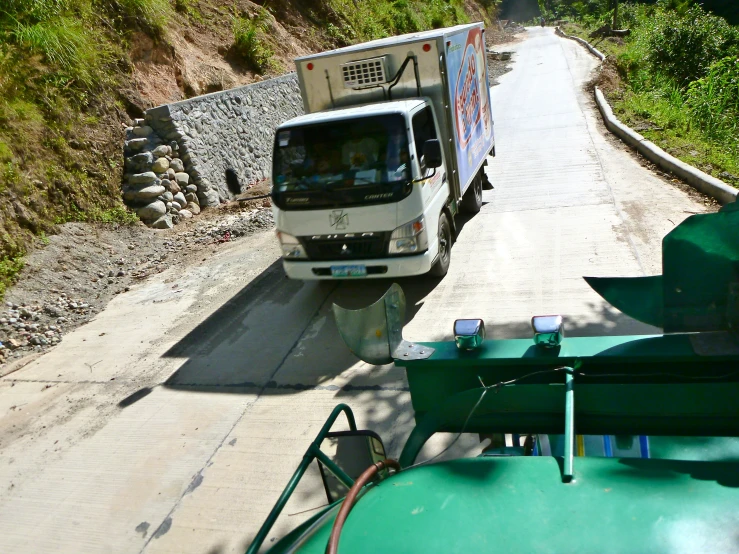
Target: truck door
x=424 y=128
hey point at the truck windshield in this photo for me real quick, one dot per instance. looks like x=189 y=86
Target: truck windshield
x=347 y=162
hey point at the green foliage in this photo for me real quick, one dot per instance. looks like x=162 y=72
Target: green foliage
x=373 y=19
x=680 y=71
x=147 y=14
x=680 y=68
x=117 y=214
x=6 y=154
x=685 y=46
x=9 y=269
x=67 y=44
x=186 y=7
x=250 y=41
x=714 y=101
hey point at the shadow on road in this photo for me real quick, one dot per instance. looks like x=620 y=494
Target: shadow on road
x=279 y=334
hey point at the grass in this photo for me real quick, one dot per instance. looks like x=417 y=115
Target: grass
x=62 y=63
x=250 y=41
x=694 y=123
x=151 y=15
x=116 y=214
x=372 y=19
x=66 y=43
x=9 y=270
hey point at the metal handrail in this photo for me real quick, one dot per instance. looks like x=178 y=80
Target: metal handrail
x=313 y=452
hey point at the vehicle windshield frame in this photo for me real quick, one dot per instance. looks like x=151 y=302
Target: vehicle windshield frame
x=361 y=160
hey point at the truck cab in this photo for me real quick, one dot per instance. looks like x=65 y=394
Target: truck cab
x=354 y=195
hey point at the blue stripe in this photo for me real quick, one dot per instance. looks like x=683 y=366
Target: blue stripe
x=607 y=446
x=644 y=446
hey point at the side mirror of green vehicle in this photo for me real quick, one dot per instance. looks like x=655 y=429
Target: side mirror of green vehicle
x=353 y=452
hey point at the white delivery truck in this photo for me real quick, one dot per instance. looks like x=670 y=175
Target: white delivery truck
x=393 y=143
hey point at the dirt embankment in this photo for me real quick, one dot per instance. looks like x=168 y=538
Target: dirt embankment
x=72 y=277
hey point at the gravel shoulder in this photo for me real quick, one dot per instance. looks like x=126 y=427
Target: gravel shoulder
x=498 y=38
x=71 y=276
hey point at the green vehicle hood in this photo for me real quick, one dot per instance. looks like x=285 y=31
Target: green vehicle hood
x=519 y=504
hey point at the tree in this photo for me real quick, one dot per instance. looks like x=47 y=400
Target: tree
x=615 y=14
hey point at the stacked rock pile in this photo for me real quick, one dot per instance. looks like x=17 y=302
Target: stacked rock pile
x=156 y=184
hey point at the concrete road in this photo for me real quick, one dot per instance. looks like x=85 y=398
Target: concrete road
x=171 y=422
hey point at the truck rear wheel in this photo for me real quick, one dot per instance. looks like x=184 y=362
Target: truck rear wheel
x=472 y=199
x=441 y=266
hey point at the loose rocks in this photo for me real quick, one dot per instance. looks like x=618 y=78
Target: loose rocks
x=152 y=211
x=180 y=199
x=160 y=166
x=142 y=178
x=177 y=165
x=182 y=179
x=145 y=194
x=164 y=222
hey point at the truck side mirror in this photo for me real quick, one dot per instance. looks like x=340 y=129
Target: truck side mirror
x=353 y=452
x=432 y=153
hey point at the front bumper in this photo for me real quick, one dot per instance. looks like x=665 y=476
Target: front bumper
x=377 y=268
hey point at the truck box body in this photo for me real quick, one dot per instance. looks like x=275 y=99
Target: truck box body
x=451 y=70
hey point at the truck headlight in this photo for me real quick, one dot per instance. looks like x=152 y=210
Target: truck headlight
x=291 y=247
x=409 y=238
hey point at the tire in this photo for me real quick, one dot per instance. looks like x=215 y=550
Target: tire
x=472 y=199
x=444 y=258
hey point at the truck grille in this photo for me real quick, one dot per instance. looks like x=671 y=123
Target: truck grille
x=345 y=248
x=364 y=73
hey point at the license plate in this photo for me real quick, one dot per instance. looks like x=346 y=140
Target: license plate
x=349 y=271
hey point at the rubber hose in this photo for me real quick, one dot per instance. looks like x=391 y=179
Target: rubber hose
x=351 y=498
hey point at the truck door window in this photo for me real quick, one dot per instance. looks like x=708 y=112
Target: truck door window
x=423 y=130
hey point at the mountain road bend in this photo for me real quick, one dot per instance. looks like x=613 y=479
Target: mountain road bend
x=172 y=421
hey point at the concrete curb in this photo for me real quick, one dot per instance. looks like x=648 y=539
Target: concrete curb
x=697 y=179
x=593 y=50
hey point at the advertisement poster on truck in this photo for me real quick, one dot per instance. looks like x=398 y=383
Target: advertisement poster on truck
x=470 y=95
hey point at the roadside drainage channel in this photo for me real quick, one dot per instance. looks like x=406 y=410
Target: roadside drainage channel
x=696 y=178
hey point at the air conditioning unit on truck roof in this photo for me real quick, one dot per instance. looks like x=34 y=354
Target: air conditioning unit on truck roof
x=394 y=141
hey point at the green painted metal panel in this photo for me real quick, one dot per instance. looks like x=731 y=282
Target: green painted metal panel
x=699 y=268
x=520 y=504
x=638 y=361
x=688 y=410
x=639 y=297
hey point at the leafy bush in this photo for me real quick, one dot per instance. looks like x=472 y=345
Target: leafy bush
x=372 y=19
x=684 y=47
x=9 y=269
x=249 y=41
x=681 y=76
x=714 y=100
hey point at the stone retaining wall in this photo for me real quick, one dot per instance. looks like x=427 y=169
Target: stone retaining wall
x=206 y=149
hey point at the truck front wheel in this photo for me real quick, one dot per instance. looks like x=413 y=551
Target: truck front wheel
x=441 y=266
x=472 y=199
